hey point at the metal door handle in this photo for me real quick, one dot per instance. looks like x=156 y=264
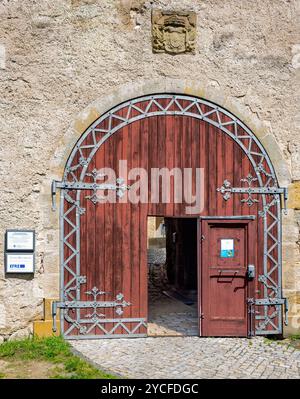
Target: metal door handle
x=227 y=271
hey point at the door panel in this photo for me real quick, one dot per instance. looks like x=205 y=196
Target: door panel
x=224 y=284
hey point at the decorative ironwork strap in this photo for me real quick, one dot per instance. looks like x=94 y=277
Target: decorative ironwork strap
x=226 y=190
x=119 y=187
x=119 y=303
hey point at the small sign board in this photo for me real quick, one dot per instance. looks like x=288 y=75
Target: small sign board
x=227 y=248
x=19 y=262
x=20 y=240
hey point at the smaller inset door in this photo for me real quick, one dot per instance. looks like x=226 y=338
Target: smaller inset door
x=224 y=258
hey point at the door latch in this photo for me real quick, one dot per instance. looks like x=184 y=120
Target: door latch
x=54 y=312
x=250 y=272
x=286 y=311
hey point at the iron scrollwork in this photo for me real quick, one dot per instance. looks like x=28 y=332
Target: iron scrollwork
x=226 y=190
x=81 y=322
x=119 y=187
x=119 y=303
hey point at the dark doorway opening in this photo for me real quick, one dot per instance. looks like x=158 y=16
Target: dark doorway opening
x=172 y=276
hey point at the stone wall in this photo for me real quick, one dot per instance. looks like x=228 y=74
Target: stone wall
x=63 y=62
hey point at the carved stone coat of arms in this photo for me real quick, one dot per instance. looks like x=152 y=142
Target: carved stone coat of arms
x=173 y=32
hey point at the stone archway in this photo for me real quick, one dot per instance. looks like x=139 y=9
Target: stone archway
x=259 y=158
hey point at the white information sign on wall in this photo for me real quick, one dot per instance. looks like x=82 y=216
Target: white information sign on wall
x=19 y=263
x=20 y=240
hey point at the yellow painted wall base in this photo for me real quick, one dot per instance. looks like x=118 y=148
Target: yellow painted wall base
x=43 y=328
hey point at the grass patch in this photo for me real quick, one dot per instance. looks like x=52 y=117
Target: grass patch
x=294 y=341
x=268 y=341
x=295 y=337
x=52 y=355
x=290 y=341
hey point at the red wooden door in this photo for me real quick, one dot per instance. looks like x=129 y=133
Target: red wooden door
x=225 y=286
x=105 y=243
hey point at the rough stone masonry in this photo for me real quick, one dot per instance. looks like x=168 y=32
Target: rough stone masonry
x=63 y=62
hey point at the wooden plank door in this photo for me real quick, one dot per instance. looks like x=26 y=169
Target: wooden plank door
x=225 y=286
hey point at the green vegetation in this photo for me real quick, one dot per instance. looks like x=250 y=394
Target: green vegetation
x=294 y=340
x=44 y=358
x=268 y=341
x=295 y=337
x=291 y=340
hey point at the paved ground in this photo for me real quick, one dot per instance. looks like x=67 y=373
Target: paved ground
x=168 y=316
x=173 y=354
x=192 y=357
x=173 y=324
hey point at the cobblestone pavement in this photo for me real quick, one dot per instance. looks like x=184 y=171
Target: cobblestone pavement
x=174 y=324
x=192 y=357
x=168 y=316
